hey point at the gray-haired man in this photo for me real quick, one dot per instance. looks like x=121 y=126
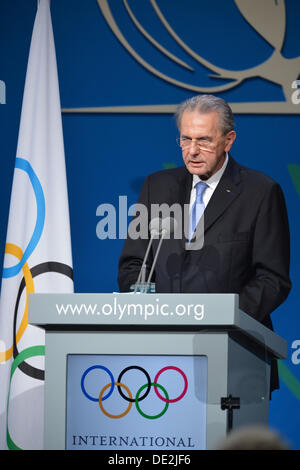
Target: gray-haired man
x=246 y=233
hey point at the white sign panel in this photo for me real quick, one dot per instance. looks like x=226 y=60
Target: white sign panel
x=126 y=402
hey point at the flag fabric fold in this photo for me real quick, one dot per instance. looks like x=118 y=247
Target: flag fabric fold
x=38 y=256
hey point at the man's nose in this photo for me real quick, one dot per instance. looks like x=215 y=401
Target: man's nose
x=194 y=148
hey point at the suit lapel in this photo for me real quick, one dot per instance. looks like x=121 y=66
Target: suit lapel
x=185 y=187
x=225 y=193
x=181 y=194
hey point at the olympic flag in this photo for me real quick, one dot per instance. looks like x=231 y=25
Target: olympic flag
x=38 y=246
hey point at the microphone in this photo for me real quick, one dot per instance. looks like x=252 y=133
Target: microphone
x=168 y=226
x=158 y=228
x=154 y=227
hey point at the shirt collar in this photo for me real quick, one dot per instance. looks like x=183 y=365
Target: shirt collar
x=213 y=181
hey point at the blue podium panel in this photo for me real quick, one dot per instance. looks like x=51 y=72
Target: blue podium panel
x=141 y=402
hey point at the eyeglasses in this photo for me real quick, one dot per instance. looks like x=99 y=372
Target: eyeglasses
x=202 y=144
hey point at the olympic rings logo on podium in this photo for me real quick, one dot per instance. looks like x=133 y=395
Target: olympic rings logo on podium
x=141 y=394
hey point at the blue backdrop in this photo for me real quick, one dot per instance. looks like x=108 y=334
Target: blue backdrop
x=109 y=155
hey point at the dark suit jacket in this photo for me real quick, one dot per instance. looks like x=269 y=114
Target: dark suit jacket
x=246 y=242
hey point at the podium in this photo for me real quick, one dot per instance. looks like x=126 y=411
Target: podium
x=151 y=371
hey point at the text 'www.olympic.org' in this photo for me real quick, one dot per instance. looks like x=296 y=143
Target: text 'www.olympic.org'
x=144 y=311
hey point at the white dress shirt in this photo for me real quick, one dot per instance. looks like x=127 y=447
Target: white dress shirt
x=211 y=182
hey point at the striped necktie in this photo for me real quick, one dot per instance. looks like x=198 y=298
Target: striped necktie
x=197 y=209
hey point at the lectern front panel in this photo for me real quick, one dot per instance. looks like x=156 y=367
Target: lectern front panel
x=195 y=421
x=142 y=402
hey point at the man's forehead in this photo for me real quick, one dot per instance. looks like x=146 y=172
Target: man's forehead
x=196 y=118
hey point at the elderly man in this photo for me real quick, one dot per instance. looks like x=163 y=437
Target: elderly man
x=246 y=233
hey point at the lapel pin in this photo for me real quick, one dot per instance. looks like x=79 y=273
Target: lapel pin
x=228 y=190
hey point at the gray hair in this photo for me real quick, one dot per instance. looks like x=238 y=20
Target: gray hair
x=207 y=104
x=253 y=437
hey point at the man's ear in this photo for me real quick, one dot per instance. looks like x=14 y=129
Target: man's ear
x=229 y=139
